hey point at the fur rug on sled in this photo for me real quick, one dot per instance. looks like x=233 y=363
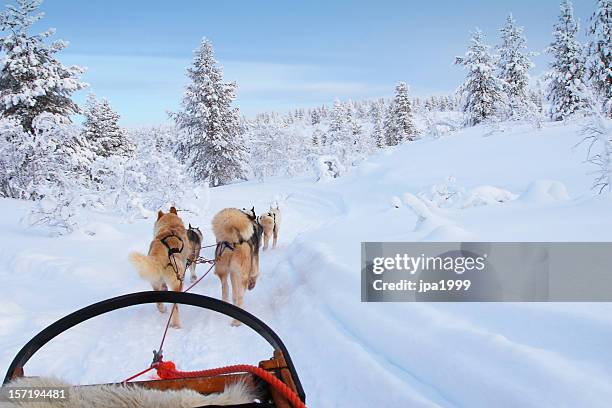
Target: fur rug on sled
x=112 y=396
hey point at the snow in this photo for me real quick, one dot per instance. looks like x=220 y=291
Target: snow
x=350 y=354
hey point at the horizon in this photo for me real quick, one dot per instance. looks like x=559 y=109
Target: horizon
x=296 y=56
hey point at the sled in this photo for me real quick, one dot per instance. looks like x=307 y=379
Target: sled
x=280 y=365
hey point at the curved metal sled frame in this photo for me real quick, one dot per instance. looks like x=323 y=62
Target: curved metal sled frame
x=16 y=368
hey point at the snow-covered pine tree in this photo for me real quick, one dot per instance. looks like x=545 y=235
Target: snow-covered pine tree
x=376 y=115
x=389 y=126
x=316 y=139
x=266 y=149
x=102 y=131
x=567 y=90
x=482 y=93
x=32 y=80
x=337 y=117
x=599 y=54
x=398 y=124
x=315 y=117
x=214 y=147
x=514 y=65
x=339 y=137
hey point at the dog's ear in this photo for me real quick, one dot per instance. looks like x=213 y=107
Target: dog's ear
x=253 y=209
x=173 y=210
x=160 y=214
x=189 y=225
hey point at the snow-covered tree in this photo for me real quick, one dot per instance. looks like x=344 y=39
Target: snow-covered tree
x=102 y=131
x=337 y=118
x=514 y=65
x=317 y=138
x=338 y=135
x=567 y=90
x=214 y=148
x=55 y=172
x=315 y=117
x=266 y=149
x=376 y=114
x=482 y=93
x=32 y=80
x=599 y=54
x=32 y=161
x=399 y=125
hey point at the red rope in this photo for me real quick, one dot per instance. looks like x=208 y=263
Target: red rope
x=138 y=375
x=167 y=370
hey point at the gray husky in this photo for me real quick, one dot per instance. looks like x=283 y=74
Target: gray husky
x=195 y=243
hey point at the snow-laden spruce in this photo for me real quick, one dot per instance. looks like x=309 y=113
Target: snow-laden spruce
x=213 y=146
x=567 y=90
x=102 y=130
x=32 y=79
x=399 y=126
x=339 y=135
x=376 y=114
x=599 y=54
x=514 y=65
x=483 y=94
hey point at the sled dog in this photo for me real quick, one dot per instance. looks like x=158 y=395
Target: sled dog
x=238 y=236
x=270 y=222
x=164 y=265
x=194 y=235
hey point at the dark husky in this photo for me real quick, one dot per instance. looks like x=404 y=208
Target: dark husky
x=195 y=243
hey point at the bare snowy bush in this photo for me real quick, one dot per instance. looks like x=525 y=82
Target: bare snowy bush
x=597 y=132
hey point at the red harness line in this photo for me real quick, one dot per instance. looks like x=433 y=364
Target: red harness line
x=167 y=370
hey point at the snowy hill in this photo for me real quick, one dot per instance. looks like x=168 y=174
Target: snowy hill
x=517 y=184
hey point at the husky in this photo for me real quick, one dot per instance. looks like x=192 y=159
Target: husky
x=270 y=222
x=164 y=266
x=194 y=235
x=238 y=235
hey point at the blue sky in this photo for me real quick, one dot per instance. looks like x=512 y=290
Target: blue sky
x=282 y=54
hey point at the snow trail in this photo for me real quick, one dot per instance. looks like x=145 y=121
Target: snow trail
x=347 y=353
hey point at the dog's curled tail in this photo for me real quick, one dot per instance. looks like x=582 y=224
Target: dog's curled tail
x=145 y=265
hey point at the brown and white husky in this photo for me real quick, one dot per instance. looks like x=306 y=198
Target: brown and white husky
x=270 y=222
x=238 y=256
x=164 y=265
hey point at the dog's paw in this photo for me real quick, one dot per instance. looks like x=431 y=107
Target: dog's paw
x=252 y=283
x=194 y=278
x=175 y=325
x=236 y=323
x=162 y=308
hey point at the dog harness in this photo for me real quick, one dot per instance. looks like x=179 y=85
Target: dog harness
x=172 y=251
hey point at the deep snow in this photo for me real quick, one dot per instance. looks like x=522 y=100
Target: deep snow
x=348 y=354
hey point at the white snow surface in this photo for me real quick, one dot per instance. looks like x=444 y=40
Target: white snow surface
x=347 y=353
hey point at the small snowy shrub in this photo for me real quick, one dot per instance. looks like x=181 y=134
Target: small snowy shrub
x=449 y=195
